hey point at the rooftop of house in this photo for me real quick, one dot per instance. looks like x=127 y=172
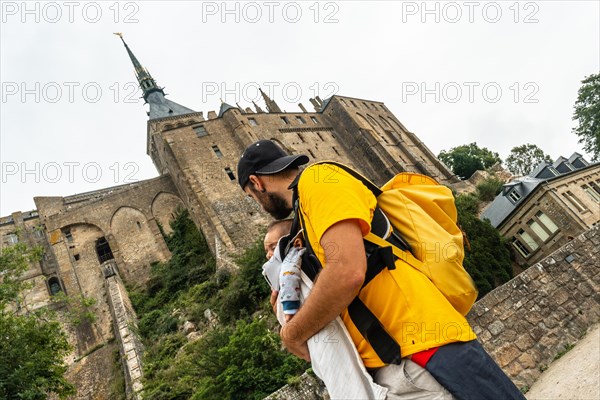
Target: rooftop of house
x=516 y=192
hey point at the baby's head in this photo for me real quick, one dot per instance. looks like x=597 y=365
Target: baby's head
x=275 y=231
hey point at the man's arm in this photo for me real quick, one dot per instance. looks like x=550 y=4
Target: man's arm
x=338 y=284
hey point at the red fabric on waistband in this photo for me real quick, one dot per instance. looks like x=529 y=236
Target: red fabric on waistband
x=422 y=357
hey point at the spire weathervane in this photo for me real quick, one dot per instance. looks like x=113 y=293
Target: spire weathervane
x=153 y=94
x=147 y=83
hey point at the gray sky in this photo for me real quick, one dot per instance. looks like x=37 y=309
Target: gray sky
x=499 y=73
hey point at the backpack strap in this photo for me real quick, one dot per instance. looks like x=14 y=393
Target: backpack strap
x=405 y=256
x=310 y=263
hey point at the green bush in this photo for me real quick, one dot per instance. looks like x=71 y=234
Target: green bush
x=489 y=189
x=250 y=365
x=239 y=359
x=467 y=204
x=248 y=288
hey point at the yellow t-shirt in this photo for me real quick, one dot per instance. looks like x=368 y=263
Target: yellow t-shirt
x=413 y=311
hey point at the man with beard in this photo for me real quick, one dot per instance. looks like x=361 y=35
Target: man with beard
x=430 y=338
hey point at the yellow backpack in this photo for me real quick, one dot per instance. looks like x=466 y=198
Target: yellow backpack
x=423 y=213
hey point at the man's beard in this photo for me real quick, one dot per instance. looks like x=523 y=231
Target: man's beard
x=275 y=205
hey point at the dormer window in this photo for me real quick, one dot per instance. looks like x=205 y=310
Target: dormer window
x=514 y=196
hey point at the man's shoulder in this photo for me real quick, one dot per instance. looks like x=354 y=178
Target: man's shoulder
x=324 y=173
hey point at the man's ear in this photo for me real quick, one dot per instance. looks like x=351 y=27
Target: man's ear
x=258 y=184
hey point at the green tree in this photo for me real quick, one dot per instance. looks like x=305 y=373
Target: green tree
x=33 y=344
x=523 y=159
x=587 y=114
x=466 y=159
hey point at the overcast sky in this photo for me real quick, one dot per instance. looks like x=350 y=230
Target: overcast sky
x=500 y=74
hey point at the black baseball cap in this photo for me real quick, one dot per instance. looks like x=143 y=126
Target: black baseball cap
x=265 y=158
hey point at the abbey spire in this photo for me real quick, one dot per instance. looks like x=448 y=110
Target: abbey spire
x=153 y=94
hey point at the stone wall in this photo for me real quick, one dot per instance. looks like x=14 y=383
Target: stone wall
x=125 y=326
x=525 y=323
x=307 y=388
x=94 y=374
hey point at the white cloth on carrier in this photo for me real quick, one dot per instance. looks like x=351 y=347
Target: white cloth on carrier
x=333 y=354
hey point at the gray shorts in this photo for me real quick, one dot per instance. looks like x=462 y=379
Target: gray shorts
x=410 y=381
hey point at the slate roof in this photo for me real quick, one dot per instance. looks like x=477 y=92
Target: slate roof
x=516 y=192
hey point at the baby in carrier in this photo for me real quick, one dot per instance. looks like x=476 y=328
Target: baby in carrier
x=283 y=273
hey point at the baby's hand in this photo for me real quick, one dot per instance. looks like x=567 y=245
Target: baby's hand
x=288 y=317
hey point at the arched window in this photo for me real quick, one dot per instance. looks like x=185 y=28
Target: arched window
x=384 y=122
x=374 y=123
x=103 y=250
x=54 y=285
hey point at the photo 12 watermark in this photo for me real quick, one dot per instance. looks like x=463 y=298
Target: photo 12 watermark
x=253 y=12
x=470 y=92
x=70 y=92
x=67 y=171
x=453 y=12
x=409 y=331
x=290 y=92
x=54 y=12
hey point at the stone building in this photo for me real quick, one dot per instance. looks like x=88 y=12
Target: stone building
x=93 y=243
x=96 y=242
x=544 y=210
